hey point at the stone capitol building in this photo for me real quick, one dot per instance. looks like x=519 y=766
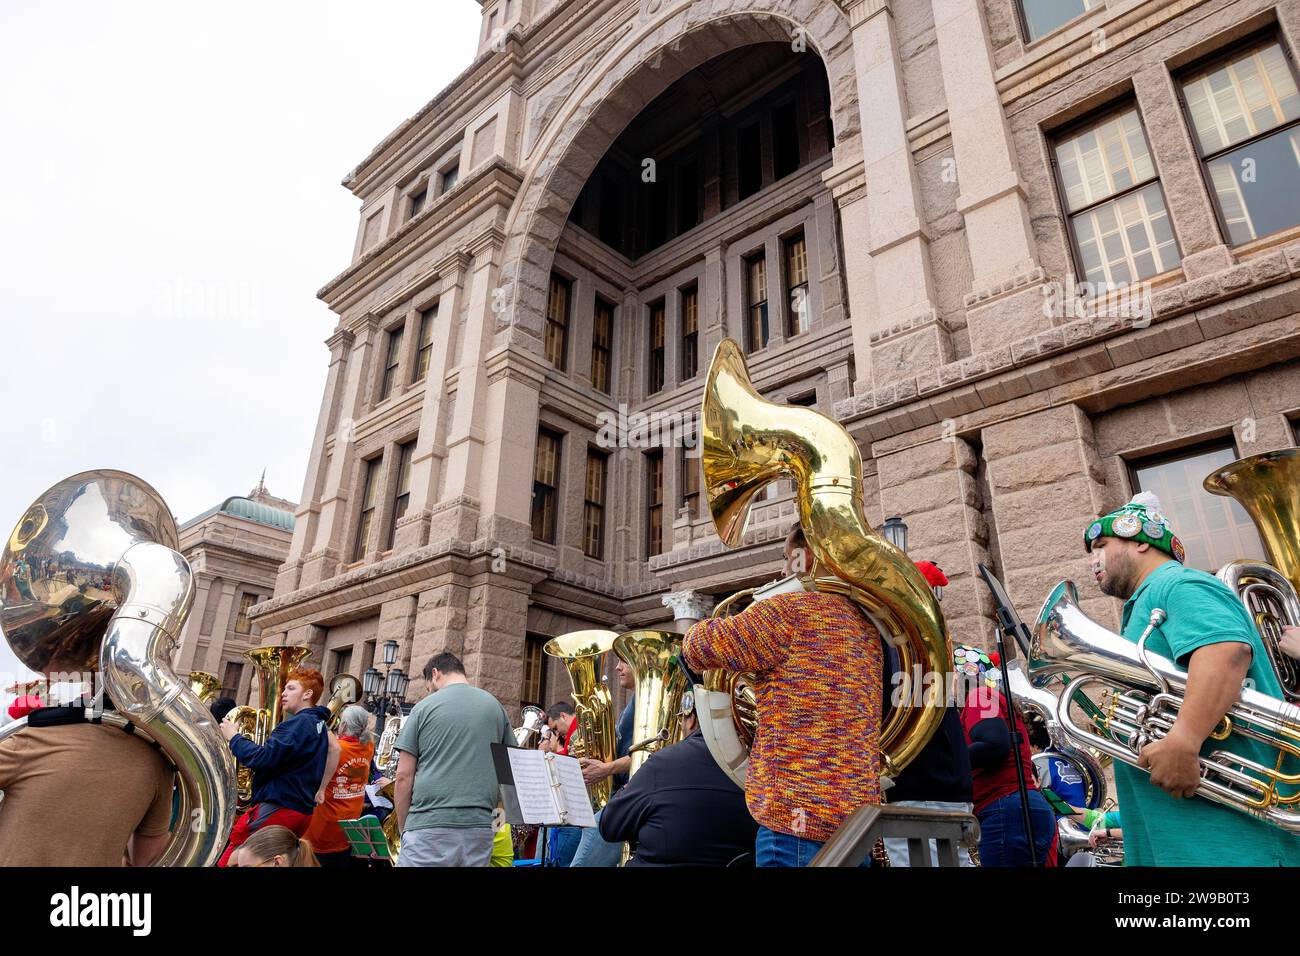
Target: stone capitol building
x=1035 y=255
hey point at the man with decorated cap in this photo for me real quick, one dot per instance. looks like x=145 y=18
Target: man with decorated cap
x=1205 y=629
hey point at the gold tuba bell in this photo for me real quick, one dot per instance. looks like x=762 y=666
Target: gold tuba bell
x=1268 y=487
x=583 y=653
x=91 y=582
x=660 y=683
x=205 y=686
x=750 y=442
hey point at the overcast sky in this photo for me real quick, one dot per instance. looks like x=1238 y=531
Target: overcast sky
x=171 y=203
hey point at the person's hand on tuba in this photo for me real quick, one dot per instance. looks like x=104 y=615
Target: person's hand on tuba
x=1290 y=642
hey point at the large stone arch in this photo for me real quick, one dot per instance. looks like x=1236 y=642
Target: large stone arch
x=665 y=42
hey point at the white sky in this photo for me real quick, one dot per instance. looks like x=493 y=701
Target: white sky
x=169 y=205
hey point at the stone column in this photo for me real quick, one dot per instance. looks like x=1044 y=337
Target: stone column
x=1190 y=206
x=308 y=514
x=712 y=328
x=933 y=488
x=688 y=607
x=514 y=384
x=221 y=627
x=430 y=450
x=466 y=438
x=992 y=195
x=897 y=238
x=323 y=560
x=1047 y=484
x=186 y=654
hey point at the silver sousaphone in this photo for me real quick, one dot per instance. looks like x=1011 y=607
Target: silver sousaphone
x=91 y=583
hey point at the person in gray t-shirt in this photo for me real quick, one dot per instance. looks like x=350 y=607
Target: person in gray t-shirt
x=446 y=786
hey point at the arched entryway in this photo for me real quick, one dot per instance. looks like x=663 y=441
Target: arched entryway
x=661 y=48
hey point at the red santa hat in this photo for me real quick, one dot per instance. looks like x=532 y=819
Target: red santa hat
x=934 y=575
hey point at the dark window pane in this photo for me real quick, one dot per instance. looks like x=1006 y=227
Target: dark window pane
x=1258 y=186
x=785 y=140
x=1044 y=16
x=751 y=161
x=688 y=196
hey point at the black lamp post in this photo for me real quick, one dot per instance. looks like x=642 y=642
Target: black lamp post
x=385 y=692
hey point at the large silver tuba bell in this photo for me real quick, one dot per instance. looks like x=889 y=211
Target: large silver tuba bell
x=91 y=582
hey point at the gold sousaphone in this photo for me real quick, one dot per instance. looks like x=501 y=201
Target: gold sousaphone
x=659 y=686
x=750 y=442
x=583 y=654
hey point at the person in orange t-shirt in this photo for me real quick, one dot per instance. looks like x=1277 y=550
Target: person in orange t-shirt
x=345 y=793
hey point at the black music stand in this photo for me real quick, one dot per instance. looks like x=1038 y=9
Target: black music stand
x=1009 y=624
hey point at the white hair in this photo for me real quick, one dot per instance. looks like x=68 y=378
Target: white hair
x=355 y=722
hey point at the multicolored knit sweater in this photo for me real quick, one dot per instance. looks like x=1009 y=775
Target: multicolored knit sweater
x=816 y=757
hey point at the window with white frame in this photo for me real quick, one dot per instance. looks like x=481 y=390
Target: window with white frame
x=1245 y=114
x=1112 y=198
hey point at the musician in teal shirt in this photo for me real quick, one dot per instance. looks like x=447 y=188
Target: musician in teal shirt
x=1206 y=630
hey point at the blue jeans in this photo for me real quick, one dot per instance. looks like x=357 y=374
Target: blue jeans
x=562 y=844
x=1002 y=830
x=782 y=849
x=594 y=850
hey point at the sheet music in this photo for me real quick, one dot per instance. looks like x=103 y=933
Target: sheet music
x=573 y=792
x=543 y=792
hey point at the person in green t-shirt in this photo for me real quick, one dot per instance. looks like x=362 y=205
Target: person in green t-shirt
x=446 y=790
x=1136 y=556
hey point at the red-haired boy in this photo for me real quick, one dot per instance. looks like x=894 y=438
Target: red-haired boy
x=291 y=768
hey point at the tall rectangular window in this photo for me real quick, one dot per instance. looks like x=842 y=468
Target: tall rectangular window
x=392 y=360
x=546 y=478
x=656 y=382
x=450 y=177
x=690 y=332
x=655 y=501
x=425 y=353
x=557 y=322
x=785 y=140
x=230 y=680
x=417 y=200
x=1245 y=111
x=1046 y=16
x=369 y=497
x=602 y=343
x=756 y=293
x=798 y=316
x=342 y=661
x=690 y=481
x=1214 y=530
x=402 y=493
x=1113 y=200
x=534 y=689
x=593 y=507
x=750 y=149
x=242 y=624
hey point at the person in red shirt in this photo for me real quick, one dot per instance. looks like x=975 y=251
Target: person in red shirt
x=995 y=784
x=345 y=793
x=563 y=725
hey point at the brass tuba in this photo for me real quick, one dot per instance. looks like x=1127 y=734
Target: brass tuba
x=273 y=664
x=205 y=686
x=1268 y=487
x=660 y=683
x=583 y=653
x=750 y=442
x=91 y=582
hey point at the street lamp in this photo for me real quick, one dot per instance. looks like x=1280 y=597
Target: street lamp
x=385 y=691
x=896 y=533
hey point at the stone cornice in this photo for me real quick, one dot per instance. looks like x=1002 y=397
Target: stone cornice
x=495 y=182
x=1249 y=293
x=342 y=339
x=860 y=11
